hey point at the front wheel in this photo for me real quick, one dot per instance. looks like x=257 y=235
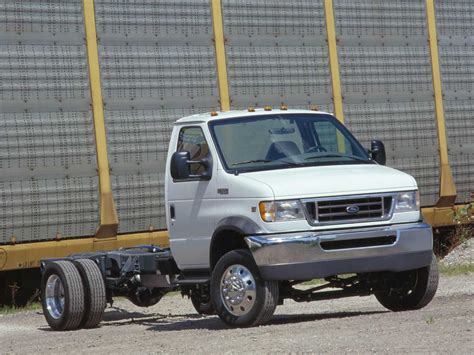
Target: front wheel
x=410 y=290
x=238 y=293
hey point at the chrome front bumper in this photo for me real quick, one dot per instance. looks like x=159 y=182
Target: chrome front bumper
x=305 y=255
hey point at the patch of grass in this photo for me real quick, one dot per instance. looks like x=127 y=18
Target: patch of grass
x=6 y=310
x=456 y=269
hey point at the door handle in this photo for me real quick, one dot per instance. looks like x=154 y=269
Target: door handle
x=172 y=212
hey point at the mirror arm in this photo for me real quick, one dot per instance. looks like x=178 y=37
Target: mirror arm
x=203 y=176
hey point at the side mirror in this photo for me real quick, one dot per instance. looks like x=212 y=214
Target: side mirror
x=181 y=167
x=377 y=152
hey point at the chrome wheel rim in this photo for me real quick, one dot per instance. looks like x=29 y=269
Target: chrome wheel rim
x=54 y=296
x=238 y=290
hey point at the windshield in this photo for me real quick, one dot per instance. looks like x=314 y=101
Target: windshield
x=285 y=140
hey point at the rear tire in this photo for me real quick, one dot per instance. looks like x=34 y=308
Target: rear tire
x=94 y=292
x=239 y=295
x=423 y=284
x=62 y=295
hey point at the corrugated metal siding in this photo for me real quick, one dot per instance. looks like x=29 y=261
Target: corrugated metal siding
x=277 y=53
x=455 y=21
x=157 y=64
x=48 y=179
x=386 y=83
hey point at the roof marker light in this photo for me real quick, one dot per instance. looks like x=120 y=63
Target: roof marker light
x=268 y=108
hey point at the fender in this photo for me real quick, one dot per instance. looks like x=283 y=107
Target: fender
x=239 y=224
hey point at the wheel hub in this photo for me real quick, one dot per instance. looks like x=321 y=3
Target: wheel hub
x=54 y=296
x=238 y=290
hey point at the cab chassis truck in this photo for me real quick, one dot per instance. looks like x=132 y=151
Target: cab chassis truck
x=257 y=202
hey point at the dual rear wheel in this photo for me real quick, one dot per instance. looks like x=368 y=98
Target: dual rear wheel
x=73 y=294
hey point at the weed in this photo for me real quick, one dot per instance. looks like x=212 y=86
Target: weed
x=5 y=310
x=456 y=269
x=14 y=290
x=429 y=320
x=464 y=219
x=445 y=239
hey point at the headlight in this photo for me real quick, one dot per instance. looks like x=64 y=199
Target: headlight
x=279 y=211
x=407 y=201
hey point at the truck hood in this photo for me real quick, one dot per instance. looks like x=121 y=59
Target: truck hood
x=333 y=180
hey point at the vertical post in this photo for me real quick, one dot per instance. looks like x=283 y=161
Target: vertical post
x=334 y=68
x=108 y=214
x=447 y=188
x=333 y=60
x=219 y=43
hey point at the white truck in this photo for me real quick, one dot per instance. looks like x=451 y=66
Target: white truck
x=258 y=201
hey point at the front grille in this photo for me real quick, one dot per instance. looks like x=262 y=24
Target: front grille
x=350 y=209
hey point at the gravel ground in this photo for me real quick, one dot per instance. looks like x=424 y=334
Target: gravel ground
x=358 y=325
x=463 y=254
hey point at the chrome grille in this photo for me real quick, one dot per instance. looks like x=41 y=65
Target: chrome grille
x=350 y=209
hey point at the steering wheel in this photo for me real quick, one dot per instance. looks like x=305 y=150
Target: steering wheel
x=316 y=149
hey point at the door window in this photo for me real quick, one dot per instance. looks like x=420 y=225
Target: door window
x=192 y=140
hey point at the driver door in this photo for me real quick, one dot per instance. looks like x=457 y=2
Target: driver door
x=191 y=203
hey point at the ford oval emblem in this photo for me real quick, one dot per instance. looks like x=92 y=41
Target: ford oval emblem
x=353 y=209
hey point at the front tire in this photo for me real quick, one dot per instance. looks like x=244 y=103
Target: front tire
x=411 y=290
x=239 y=295
x=62 y=295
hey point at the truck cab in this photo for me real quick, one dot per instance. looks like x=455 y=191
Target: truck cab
x=291 y=194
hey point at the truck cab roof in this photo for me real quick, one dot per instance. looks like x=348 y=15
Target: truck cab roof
x=219 y=115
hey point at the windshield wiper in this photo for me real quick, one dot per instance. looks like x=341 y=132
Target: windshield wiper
x=252 y=161
x=291 y=163
x=336 y=156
